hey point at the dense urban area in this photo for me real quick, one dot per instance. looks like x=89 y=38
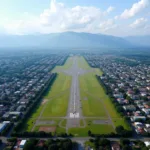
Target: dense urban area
x=110 y=103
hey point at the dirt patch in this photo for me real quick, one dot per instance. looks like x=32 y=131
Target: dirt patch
x=44 y=101
x=47 y=129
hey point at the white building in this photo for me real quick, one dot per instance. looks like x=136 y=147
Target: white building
x=2 y=126
x=22 y=143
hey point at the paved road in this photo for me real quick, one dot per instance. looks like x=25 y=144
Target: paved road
x=83 y=139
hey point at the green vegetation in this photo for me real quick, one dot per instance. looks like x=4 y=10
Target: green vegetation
x=94 y=128
x=67 y=65
x=81 y=122
x=94 y=101
x=118 y=122
x=95 y=94
x=83 y=64
x=57 y=107
x=63 y=123
x=55 y=102
x=91 y=106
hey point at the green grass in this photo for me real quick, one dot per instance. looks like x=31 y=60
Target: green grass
x=81 y=123
x=96 y=129
x=31 y=122
x=88 y=143
x=66 y=66
x=57 y=97
x=83 y=64
x=118 y=122
x=98 y=71
x=57 y=107
x=64 y=122
x=91 y=107
x=28 y=126
x=89 y=84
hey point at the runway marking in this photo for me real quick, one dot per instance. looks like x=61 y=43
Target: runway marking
x=74 y=115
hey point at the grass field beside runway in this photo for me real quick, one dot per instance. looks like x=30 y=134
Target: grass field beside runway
x=56 y=124
x=32 y=121
x=55 y=102
x=66 y=66
x=94 y=128
x=57 y=107
x=122 y=122
x=90 y=88
x=91 y=107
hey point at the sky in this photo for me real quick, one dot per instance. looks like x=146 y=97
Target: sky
x=112 y=17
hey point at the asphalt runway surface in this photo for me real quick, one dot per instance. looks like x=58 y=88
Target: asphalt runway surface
x=74 y=113
x=74 y=108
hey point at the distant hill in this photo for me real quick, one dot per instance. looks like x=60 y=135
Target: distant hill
x=64 y=40
x=139 y=40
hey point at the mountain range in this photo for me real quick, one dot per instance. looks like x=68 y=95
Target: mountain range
x=72 y=40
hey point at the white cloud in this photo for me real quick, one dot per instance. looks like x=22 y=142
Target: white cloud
x=139 y=23
x=107 y=25
x=135 y=9
x=59 y=18
x=110 y=9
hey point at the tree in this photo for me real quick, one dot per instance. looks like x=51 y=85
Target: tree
x=29 y=146
x=49 y=142
x=144 y=148
x=53 y=147
x=126 y=147
x=119 y=129
x=13 y=139
x=89 y=133
x=119 y=109
x=124 y=141
x=104 y=142
x=67 y=145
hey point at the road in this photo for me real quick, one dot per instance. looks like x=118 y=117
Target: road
x=83 y=139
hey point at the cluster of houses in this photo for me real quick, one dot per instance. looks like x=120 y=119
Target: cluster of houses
x=21 y=79
x=130 y=86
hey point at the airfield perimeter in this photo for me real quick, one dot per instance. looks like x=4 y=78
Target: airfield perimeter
x=76 y=103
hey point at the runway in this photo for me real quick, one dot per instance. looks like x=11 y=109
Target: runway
x=74 y=108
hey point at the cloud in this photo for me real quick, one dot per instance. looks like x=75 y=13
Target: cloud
x=59 y=18
x=135 y=9
x=110 y=9
x=107 y=25
x=139 y=23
